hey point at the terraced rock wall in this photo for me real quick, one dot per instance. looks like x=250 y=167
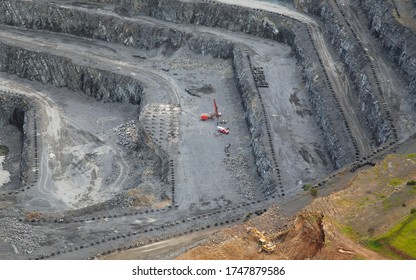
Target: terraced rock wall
x=137 y=34
x=106 y=27
x=207 y=14
x=398 y=41
x=262 y=24
x=254 y=118
x=62 y=72
x=352 y=55
x=328 y=116
x=79 y=22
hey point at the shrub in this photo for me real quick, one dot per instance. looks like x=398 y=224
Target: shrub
x=395 y=182
x=314 y=192
x=307 y=187
x=411 y=183
x=413 y=210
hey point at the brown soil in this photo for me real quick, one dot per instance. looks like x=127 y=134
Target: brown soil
x=332 y=227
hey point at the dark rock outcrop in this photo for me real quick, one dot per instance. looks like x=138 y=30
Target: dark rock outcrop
x=366 y=100
x=14 y=111
x=329 y=119
x=41 y=16
x=254 y=119
x=207 y=14
x=62 y=72
x=398 y=41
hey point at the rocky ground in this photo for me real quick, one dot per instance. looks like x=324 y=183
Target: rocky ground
x=113 y=155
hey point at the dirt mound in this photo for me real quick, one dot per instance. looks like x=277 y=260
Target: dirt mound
x=303 y=239
x=306 y=238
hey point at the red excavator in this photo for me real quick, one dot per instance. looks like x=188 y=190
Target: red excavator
x=210 y=116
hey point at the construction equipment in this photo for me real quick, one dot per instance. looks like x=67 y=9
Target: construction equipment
x=222 y=130
x=217 y=115
x=265 y=244
x=210 y=116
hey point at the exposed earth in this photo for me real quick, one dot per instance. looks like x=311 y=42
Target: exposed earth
x=103 y=153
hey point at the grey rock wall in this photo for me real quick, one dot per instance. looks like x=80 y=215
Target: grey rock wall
x=365 y=99
x=398 y=41
x=40 y=16
x=254 y=118
x=207 y=14
x=14 y=111
x=62 y=72
x=32 y=15
x=328 y=116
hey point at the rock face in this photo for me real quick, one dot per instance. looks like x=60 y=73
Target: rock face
x=254 y=118
x=35 y=15
x=203 y=13
x=323 y=102
x=62 y=72
x=366 y=99
x=14 y=111
x=398 y=41
x=109 y=28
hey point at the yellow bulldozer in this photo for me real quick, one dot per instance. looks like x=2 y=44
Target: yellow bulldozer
x=265 y=244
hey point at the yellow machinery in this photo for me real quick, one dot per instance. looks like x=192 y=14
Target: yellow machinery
x=265 y=244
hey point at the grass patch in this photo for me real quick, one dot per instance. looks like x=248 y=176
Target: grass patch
x=399 y=242
x=373 y=244
x=411 y=156
x=307 y=187
x=349 y=232
x=403 y=236
x=4 y=150
x=395 y=182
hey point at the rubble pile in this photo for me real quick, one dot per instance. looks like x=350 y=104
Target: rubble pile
x=127 y=134
x=19 y=235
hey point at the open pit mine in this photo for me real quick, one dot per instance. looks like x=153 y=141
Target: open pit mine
x=102 y=145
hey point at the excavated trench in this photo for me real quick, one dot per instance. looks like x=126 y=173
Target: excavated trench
x=118 y=86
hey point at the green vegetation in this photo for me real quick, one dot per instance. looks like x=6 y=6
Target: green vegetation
x=307 y=187
x=411 y=156
x=413 y=210
x=314 y=192
x=395 y=182
x=4 y=150
x=349 y=232
x=411 y=183
x=399 y=242
x=373 y=244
